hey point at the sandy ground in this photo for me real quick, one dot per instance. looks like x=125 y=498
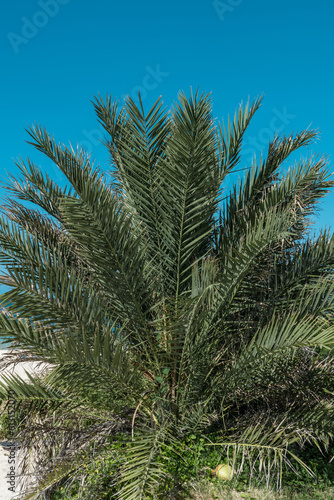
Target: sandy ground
x=6 y=455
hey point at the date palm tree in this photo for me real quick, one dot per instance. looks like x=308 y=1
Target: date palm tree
x=165 y=302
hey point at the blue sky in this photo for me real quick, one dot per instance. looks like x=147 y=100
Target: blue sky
x=57 y=54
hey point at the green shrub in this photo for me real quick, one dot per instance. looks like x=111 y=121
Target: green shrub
x=191 y=463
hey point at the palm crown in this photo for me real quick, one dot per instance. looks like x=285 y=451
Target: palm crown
x=165 y=304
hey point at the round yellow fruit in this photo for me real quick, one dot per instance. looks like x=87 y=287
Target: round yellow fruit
x=224 y=472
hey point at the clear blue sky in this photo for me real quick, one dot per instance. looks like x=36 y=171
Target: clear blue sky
x=57 y=54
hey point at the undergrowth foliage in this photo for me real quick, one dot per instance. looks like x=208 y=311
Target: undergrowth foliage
x=166 y=305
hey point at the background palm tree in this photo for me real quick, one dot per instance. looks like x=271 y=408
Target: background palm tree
x=165 y=305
